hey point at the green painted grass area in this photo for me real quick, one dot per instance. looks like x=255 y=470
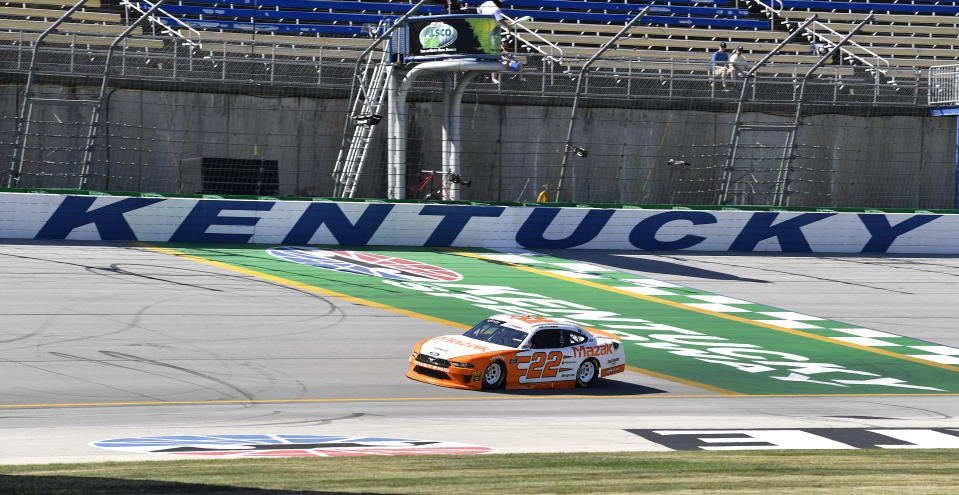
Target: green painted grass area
x=872 y=472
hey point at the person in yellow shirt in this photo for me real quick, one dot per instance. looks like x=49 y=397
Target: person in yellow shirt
x=543 y=196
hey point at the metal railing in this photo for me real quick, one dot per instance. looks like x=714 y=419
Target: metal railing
x=828 y=42
x=944 y=85
x=135 y=5
x=555 y=54
x=162 y=58
x=880 y=61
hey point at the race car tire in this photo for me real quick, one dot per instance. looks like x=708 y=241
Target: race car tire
x=587 y=373
x=494 y=376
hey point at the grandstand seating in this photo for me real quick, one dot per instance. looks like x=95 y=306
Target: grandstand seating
x=280 y=45
x=682 y=33
x=22 y=22
x=61 y=3
x=347 y=19
x=67 y=39
x=289 y=28
x=687 y=29
x=586 y=12
x=920 y=33
x=686 y=35
x=71 y=27
x=334 y=5
x=52 y=14
x=910 y=8
x=336 y=18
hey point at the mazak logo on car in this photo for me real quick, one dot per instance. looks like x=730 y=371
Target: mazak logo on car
x=590 y=351
x=437 y=35
x=285 y=446
x=368 y=264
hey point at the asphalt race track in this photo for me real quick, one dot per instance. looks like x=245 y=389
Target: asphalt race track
x=107 y=341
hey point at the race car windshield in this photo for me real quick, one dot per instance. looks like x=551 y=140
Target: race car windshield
x=493 y=332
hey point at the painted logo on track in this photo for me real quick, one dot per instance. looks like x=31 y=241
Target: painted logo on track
x=285 y=446
x=362 y=263
x=805 y=438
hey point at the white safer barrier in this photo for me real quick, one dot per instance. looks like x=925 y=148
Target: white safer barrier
x=159 y=219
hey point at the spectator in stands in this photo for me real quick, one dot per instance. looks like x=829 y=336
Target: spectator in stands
x=737 y=63
x=720 y=63
x=491 y=7
x=509 y=60
x=509 y=63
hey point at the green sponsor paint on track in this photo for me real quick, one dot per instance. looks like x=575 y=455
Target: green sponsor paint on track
x=688 y=334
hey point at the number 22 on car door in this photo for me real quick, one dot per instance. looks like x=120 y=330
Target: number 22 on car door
x=540 y=366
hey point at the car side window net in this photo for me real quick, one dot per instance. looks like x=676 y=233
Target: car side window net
x=574 y=338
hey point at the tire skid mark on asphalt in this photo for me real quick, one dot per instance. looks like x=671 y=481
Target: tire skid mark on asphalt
x=161 y=364
x=353 y=299
x=655 y=300
x=299 y=285
x=138 y=359
x=70 y=376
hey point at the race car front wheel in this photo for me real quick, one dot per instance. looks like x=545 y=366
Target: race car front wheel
x=587 y=373
x=494 y=375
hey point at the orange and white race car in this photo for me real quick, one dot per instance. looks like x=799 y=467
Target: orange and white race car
x=517 y=351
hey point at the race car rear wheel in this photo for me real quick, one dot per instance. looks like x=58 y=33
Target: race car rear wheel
x=494 y=375
x=587 y=373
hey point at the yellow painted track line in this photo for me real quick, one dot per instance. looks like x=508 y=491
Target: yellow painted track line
x=487 y=396
x=683 y=381
x=299 y=285
x=677 y=305
x=412 y=314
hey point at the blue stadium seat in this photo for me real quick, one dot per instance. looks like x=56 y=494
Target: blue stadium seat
x=269 y=27
x=640 y=3
x=329 y=5
x=649 y=19
x=269 y=14
x=572 y=5
x=350 y=12
x=339 y=17
x=574 y=10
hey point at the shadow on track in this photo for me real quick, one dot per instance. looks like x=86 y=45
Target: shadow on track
x=617 y=259
x=602 y=388
x=79 y=485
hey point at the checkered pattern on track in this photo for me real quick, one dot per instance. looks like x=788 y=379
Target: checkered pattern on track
x=703 y=300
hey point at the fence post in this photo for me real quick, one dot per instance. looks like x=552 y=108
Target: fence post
x=579 y=80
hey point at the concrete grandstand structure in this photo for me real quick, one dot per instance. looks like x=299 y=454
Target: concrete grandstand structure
x=280 y=72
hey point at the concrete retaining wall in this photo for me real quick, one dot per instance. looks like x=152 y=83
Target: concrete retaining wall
x=54 y=216
x=510 y=151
